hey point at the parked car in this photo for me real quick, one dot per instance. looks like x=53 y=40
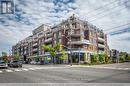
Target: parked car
x=15 y=64
x=3 y=64
x=33 y=62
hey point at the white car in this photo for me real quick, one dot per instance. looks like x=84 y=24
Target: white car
x=3 y=64
x=33 y=62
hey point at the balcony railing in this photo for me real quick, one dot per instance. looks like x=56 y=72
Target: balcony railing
x=101 y=39
x=100 y=51
x=80 y=42
x=48 y=35
x=48 y=40
x=35 y=44
x=75 y=34
x=35 y=49
x=101 y=45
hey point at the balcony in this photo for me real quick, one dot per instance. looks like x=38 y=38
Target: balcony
x=40 y=36
x=48 y=40
x=75 y=35
x=35 y=44
x=80 y=42
x=47 y=53
x=34 y=40
x=101 y=45
x=77 y=50
x=48 y=35
x=101 y=39
x=100 y=51
x=35 y=49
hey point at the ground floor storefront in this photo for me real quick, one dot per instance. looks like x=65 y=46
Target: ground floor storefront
x=75 y=57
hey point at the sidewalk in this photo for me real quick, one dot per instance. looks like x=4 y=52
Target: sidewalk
x=117 y=66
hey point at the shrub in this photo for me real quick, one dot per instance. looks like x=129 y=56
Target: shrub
x=101 y=58
x=94 y=59
x=122 y=58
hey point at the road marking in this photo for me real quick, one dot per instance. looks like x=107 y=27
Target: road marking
x=8 y=70
x=1 y=71
x=17 y=70
x=25 y=69
x=31 y=68
x=126 y=69
x=38 y=68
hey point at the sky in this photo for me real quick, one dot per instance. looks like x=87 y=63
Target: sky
x=113 y=16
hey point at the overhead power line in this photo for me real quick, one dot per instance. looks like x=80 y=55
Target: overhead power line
x=106 y=10
x=117 y=26
x=102 y=6
x=109 y=13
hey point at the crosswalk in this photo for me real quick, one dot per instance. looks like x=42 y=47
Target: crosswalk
x=17 y=70
x=26 y=69
x=9 y=70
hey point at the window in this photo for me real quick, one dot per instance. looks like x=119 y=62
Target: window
x=90 y=32
x=59 y=40
x=90 y=40
x=54 y=35
x=95 y=35
x=95 y=42
x=54 y=42
x=59 y=34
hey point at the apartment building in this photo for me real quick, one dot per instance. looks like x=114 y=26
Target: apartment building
x=80 y=37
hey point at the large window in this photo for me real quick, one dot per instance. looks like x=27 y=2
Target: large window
x=95 y=42
x=90 y=32
x=59 y=40
x=54 y=35
x=90 y=40
x=59 y=35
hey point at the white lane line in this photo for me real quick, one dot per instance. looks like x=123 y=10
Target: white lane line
x=25 y=69
x=38 y=68
x=8 y=70
x=32 y=69
x=126 y=69
x=1 y=71
x=17 y=70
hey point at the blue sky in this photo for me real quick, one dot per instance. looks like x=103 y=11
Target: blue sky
x=29 y=14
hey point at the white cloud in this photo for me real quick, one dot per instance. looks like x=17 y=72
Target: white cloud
x=33 y=13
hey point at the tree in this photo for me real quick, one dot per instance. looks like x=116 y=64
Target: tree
x=64 y=56
x=53 y=50
x=127 y=58
x=101 y=58
x=4 y=58
x=122 y=58
x=16 y=57
x=94 y=59
x=106 y=58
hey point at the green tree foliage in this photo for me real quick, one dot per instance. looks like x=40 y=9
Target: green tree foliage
x=64 y=55
x=107 y=59
x=53 y=50
x=94 y=59
x=122 y=58
x=16 y=57
x=101 y=58
x=3 y=58
x=127 y=58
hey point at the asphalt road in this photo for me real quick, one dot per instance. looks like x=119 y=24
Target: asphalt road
x=115 y=73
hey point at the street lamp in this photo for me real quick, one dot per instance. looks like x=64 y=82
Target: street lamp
x=69 y=49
